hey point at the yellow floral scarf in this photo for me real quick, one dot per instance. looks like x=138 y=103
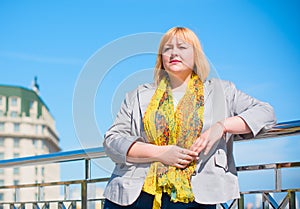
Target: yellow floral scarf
x=166 y=126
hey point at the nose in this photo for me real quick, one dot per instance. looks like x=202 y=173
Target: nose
x=174 y=52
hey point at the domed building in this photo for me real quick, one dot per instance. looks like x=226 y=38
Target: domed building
x=26 y=129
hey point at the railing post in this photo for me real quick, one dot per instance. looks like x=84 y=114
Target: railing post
x=241 y=202
x=87 y=169
x=16 y=195
x=66 y=192
x=101 y=204
x=278 y=179
x=84 y=198
x=292 y=200
x=39 y=194
x=84 y=194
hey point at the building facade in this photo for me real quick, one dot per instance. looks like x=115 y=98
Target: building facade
x=26 y=129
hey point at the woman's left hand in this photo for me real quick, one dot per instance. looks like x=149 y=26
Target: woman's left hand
x=208 y=138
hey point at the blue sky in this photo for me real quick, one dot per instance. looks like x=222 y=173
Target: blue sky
x=255 y=44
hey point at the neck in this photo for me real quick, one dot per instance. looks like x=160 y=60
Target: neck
x=179 y=82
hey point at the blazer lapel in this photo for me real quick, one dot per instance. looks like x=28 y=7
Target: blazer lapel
x=215 y=101
x=208 y=87
x=144 y=95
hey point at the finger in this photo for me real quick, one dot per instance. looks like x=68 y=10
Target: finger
x=192 y=153
x=189 y=153
x=198 y=141
x=196 y=144
x=201 y=145
x=187 y=160
x=187 y=157
x=180 y=164
x=192 y=158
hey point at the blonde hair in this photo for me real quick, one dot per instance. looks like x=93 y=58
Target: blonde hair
x=201 y=66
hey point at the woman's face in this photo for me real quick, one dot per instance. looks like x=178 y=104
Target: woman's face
x=178 y=56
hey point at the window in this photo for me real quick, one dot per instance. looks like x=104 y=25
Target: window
x=1 y=141
x=30 y=104
x=1 y=100
x=16 y=142
x=16 y=155
x=36 y=129
x=35 y=143
x=13 y=114
x=16 y=182
x=13 y=101
x=1 y=155
x=36 y=171
x=16 y=127
x=1 y=126
x=1 y=182
x=43 y=171
x=16 y=170
x=1 y=171
x=1 y=196
x=1 y=113
x=43 y=144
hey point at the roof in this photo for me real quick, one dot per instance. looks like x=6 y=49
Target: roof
x=22 y=92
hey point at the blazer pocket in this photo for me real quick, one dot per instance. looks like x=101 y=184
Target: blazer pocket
x=221 y=159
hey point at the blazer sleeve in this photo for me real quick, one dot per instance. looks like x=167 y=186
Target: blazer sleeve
x=119 y=137
x=258 y=115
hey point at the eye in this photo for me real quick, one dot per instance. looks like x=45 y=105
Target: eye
x=166 y=49
x=182 y=46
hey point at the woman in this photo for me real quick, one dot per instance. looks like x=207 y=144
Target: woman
x=172 y=140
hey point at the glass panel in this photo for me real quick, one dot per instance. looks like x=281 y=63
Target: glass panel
x=14 y=114
x=13 y=101
x=1 y=126
x=16 y=170
x=16 y=142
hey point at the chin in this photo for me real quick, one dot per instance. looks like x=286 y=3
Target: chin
x=179 y=70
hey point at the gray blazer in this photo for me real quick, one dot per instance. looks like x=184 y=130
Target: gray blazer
x=215 y=180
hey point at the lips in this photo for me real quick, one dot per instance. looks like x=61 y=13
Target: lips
x=175 y=61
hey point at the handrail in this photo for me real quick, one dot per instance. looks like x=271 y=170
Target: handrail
x=56 y=157
x=268 y=166
x=280 y=129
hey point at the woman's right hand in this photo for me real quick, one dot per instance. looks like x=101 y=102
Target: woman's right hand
x=176 y=156
x=172 y=155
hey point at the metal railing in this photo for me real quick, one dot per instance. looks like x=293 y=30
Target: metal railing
x=86 y=155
